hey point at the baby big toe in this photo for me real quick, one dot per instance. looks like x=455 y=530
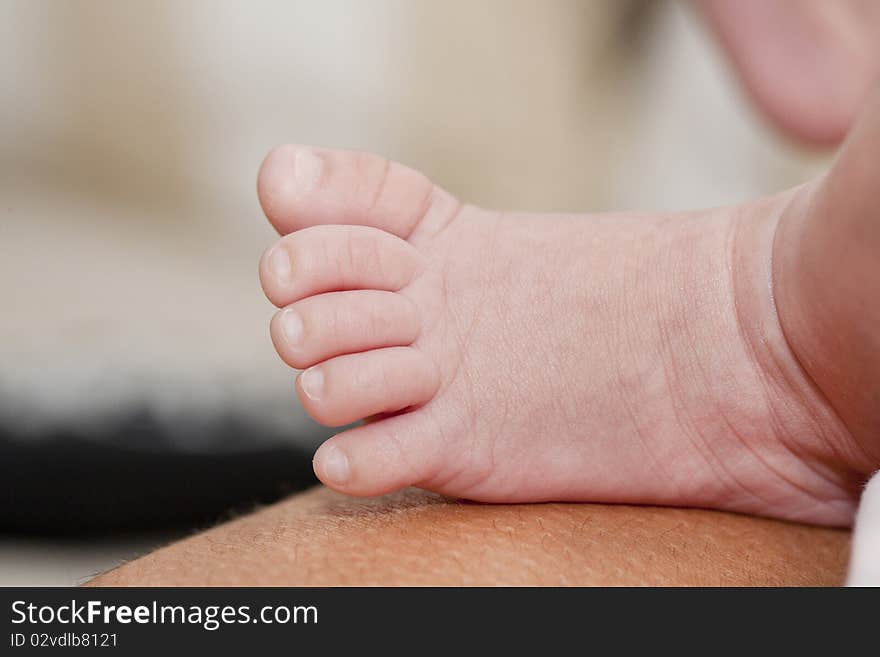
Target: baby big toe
x=300 y=186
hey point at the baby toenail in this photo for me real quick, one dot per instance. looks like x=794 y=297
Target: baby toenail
x=334 y=465
x=312 y=381
x=279 y=264
x=307 y=168
x=292 y=326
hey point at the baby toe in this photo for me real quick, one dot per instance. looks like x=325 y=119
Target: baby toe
x=351 y=387
x=336 y=323
x=334 y=258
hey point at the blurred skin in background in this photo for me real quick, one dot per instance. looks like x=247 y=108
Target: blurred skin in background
x=132 y=134
x=808 y=65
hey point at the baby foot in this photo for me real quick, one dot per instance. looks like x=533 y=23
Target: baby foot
x=509 y=357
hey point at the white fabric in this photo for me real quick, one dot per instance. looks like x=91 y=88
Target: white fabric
x=864 y=567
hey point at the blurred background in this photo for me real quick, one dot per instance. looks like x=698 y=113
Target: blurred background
x=140 y=397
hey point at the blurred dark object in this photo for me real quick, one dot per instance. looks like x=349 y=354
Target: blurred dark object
x=65 y=484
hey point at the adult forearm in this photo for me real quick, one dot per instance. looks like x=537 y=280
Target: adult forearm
x=416 y=538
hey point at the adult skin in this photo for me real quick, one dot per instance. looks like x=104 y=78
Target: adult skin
x=321 y=538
